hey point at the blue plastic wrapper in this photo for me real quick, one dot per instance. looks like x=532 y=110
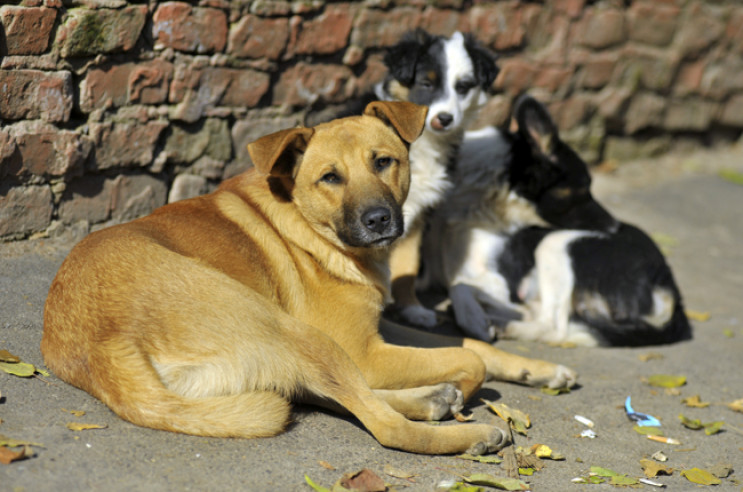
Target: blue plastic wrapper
x=642 y=419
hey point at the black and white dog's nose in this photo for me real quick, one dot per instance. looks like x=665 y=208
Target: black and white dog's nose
x=377 y=219
x=445 y=119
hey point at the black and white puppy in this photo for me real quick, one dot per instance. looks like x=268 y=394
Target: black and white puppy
x=522 y=244
x=452 y=76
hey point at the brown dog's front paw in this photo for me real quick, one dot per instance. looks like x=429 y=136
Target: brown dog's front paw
x=497 y=440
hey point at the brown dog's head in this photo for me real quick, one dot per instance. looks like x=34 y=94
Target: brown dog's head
x=349 y=177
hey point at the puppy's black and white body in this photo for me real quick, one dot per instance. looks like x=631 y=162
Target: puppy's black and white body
x=521 y=244
x=452 y=77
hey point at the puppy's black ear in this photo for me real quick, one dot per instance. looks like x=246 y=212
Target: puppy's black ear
x=401 y=59
x=536 y=125
x=483 y=60
x=406 y=118
x=277 y=154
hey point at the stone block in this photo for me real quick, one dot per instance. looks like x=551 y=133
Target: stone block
x=45 y=151
x=27 y=30
x=597 y=70
x=646 y=110
x=500 y=25
x=689 y=114
x=88 y=32
x=35 y=94
x=444 y=22
x=647 y=68
x=125 y=144
x=257 y=37
x=327 y=33
x=87 y=198
x=305 y=83
x=652 y=23
x=380 y=28
x=24 y=209
x=601 y=28
x=702 y=27
x=185 y=144
x=187 y=186
x=180 y=26
x=136 y=195
x=118 y=85
x=732 y=112
x=516 y=75
x=628 y=149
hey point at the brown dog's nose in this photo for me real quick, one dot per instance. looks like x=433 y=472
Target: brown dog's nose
x=377 y=219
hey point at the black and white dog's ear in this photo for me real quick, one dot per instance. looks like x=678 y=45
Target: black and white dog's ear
x=401 y=58
x=536 y=125
x=483 y=60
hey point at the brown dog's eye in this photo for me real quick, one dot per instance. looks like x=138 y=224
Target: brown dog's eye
x=331 y=177
x=382 y=163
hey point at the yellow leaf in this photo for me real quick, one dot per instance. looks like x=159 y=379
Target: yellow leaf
x=77 y=426
x=713 y=427
x=650 y=356
x=6 y=356
x=736 y=406
x=702 y=477
x=666 y=380
x=545 y=452
x=646 y=430
x=21 y=369
x=694 y=402
x=519 y=420
x=76 y=413
x=12 y=443
x=697 y=315
x=731 y=175
x=693 y=424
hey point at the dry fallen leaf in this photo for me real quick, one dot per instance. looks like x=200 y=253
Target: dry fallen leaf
x=7 y=456
x=545 y=452
x=6 y=356
x=326 y=465
x=694 y=402
x=650 y=356
x=480 y=458
x=362 y=481
x=736 y=406
x=518 y=420
x=701 y=477
x=12 y=443
x=666 y=380
x=21 y=369
x=77 y=426
x=76 y=413
x=653 y=468
x=698 y=315
x=398 y=473
x=503 y=483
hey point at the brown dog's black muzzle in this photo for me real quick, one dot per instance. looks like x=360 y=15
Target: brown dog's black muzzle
x=374 y=225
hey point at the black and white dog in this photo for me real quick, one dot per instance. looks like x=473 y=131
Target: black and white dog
x=452 y=76
x=521 y=244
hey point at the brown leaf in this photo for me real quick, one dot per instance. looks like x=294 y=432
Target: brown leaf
x=7 y=456
x=652 y=468
x=6 y=356
x=363 y=481
x=326 y=465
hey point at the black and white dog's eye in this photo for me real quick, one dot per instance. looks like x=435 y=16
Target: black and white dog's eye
x=464 y=86
x=331 y=178
x=382 y=163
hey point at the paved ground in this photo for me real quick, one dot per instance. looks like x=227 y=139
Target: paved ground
x=680 y=199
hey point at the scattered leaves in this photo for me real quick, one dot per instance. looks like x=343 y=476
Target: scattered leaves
x=554 y=391
x=503 y=483
x=398 y=473
x=543 y=451
x=652 y=468
x=518 y=420
x=666 y=380
x=77 y=426
x=76 y=413
x=701 y=477
x=694 y=402
x=693 y=424
x=481 y=459
x=7 y=456
x=697 y=315
x=713 y=427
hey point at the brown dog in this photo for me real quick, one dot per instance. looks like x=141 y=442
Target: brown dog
x=209 y=315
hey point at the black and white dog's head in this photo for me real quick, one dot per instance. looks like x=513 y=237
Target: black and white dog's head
x=449 y=75
x=550 y=176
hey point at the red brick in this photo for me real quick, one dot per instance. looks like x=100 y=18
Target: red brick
x=27 y=30
x=601 y=28
x=32 y=94
x=88 y=32
x=651 y=23
x=256 y=37
x=378 y=28
x=326 y=34
x=182 y=27
x=125 y=144
x=305 y=83
x=24 y=209
x=118 y=85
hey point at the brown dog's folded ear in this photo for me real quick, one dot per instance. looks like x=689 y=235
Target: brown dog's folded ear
x=276 y=154
x=405 y=117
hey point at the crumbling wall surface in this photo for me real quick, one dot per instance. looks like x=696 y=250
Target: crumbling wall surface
x=110 y=108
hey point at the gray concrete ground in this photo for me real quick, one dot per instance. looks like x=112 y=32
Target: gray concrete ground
x=679 y=198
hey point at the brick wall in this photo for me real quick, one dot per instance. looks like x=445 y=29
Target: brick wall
x=110 y=108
